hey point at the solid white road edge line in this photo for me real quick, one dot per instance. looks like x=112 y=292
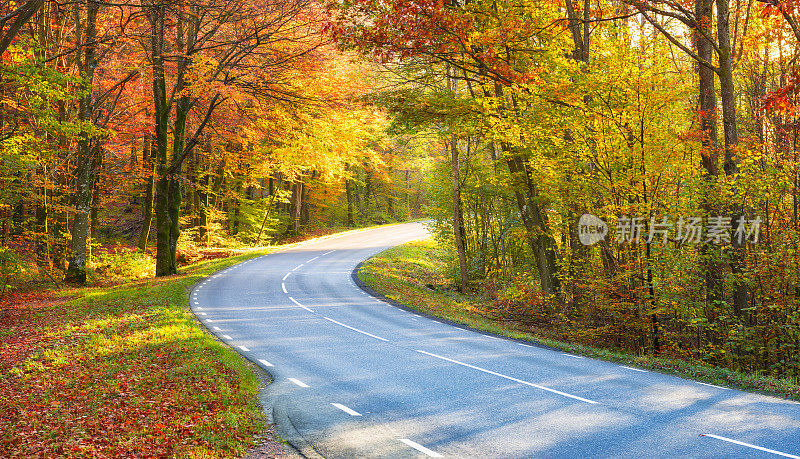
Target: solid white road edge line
x=633 y=369
x=420 y=448
x=737 y=442
x=346 y=409
x=283 y=286
x=356 y=330
x=510 y=378
x=295 y=302
x=712 y=385
x=244 y=348
x=298 y=382
x=265 y=363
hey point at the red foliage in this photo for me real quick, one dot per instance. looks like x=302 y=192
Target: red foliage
x=784 y=99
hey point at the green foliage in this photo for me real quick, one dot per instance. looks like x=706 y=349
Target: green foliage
x=10 y=268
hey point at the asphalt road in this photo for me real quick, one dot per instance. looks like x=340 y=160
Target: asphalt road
x=357 y=377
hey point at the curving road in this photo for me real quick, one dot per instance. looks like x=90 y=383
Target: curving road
x=357 y=377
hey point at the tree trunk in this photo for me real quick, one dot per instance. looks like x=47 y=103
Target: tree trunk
x=712 y=269
x=76 y=271
x=41 y=230
x=740 y=289
x=147 y=204
x=349 y=193
x=165 y=258
x=458 y=215
x=296 y=205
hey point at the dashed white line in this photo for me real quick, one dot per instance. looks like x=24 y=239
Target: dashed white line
x=760 y=448
x=287 y=275
x=198 y=308
x=420 y=448
x=712 y=385
x=217 y=329
x=298 y=267
x=355 y=329
x=283 y=286
x=634 y=369
x=265 y=363
x=309 y=261
x=244 y=348
x=298 y=382
x=331 y=251
x=209 y=320
x=202 y=313
x=564 y=394
x=227 y=337
x=295 y=302
x=347 y=410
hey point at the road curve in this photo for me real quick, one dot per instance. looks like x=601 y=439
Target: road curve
x=357 y=377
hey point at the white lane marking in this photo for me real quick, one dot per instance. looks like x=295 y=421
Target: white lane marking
x=327 y=253
x=227 y=337
x=298 y=382
x=217 y=329
x=209 y=320
x=202 y=313
x=199 y=287
x=634 y=369
x=760 y=448
x=198 y=308
x=287 y=275
x=309 y=261
x=295 y=302
x=265 y=363
x=712 y=385
x=510 y=378
x=572 y=355
x=355 y=329
x=420 y=448
x=243 y=348
x=196 y=302
x=283 y=286
x=346 y=409
x=298 y=267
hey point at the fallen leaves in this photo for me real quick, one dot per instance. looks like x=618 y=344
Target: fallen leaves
x=120 y=373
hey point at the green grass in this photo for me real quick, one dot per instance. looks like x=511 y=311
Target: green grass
x=404 y=274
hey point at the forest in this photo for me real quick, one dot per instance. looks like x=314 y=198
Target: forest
x=618 y=173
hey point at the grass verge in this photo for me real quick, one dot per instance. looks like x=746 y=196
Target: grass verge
x=405 y=273
x=123 y=371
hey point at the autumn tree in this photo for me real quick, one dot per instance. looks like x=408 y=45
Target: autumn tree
x=216 y=46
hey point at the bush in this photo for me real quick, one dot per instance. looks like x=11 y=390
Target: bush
x=10 y=268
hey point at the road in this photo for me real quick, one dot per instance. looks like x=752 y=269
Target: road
x=357 y=377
